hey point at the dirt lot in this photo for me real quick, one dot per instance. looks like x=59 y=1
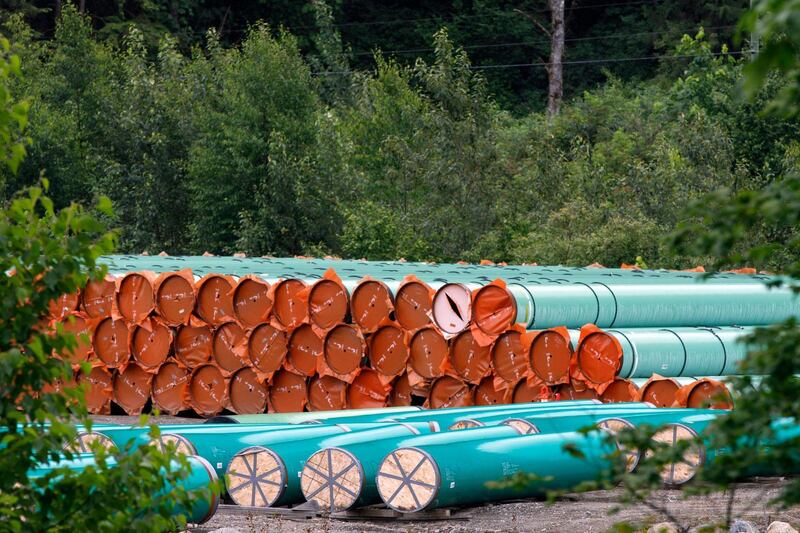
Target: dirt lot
x=589 y=512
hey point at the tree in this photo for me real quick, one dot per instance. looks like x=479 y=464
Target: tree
x=422 y=146
x=722 y=225
x=254 y=175
x=45 y=253
x=555 y=67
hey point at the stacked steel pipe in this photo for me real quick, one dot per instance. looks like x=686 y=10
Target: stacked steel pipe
x=413 y=459
x=254 y=335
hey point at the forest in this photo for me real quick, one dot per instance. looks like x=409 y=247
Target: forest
x=390 y=130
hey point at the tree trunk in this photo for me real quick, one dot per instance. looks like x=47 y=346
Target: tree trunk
x=82 y=6
x=555 y=68
x=56 y=10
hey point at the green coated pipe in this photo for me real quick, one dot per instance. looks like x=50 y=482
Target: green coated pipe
x=451 y=472
x=783 y=430
x=265 y=473
x=577 y=420
x=487 y=418
x=632 y=305
x=669 y=352
x=356 y=462
x=563 y=419
x=431 y=274
x=282 y=266
x=218 y=444
x=447 y=416
x=116 y=437
x=703 y=452
x=200 y=475
x=121 y=437
x=677 y=352
x=304 y=417
x=495 y=416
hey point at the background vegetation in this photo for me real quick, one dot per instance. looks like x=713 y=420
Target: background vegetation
x=45 y=253
x=297 y=135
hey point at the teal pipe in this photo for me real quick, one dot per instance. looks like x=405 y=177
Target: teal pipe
x=567 y=418
x=632 y=305
x=218 y=444
x=282 y=456
x=283 y=267
x=365 y=457
x=121 y=437
x=200 y=475
x=448 y=416
x=451 y=472
x=496 y=416
x=678 y=352
x=702 y=303
x=732 y=340
x=784 y=430
x=304 y=417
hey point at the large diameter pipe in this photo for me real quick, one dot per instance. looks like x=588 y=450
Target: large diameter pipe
x=669 y=352
x=218 y=444
x=701 y=451
x=276 y=267
x=610 y=420
x=126 y=436
x=454 y=472
x=566 y=415
x=200 y=475
x=488 y=417
x=702 y=303
x=267 y=472
x=685 y=392
x=299 y=418
x=341 y=474
x=116 y=437
x=632 y=305
x=448 y=416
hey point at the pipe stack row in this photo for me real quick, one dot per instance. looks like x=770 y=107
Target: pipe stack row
x=199 y=476
x=251 y=335
x=413 y=460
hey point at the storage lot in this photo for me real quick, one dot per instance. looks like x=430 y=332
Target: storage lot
x=588 y=512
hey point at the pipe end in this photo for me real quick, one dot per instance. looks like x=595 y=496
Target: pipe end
x=685 y=469
x=85 y=441
x=255 y=477
x=408 y=480
x=332 y=478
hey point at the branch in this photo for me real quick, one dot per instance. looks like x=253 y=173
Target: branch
x=535 y=22
x=224 y=18
x=729 y=507
x=666 y=512
x=645 y=499
x=570 y=13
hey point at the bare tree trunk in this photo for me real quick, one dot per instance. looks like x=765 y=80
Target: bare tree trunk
x=56 y=11
x=555 y=67
x=82 y=6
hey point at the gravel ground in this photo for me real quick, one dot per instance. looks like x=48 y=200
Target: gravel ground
x=587 y=512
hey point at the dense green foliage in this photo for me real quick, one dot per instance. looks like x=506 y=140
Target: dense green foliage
x=44 y=253
x=495 y=33
x=244 y=148
x=758 y=225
